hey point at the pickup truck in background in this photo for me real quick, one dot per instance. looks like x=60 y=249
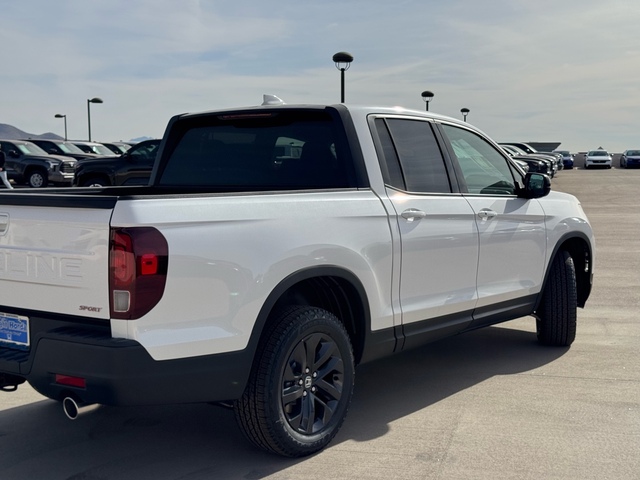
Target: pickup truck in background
x=27 y=163
x=274 y=249
x=133 y=167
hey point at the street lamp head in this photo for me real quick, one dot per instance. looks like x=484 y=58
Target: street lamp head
x=343 y=60
x=59 y=115
x=95 y=100
x=427 y=96
x=465 y=112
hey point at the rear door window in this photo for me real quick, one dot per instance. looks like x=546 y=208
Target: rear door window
x=413 y=159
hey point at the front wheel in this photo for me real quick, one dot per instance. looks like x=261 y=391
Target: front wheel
x=301 y=385
x=95 y=182
x=37 y=179
x=556 y=316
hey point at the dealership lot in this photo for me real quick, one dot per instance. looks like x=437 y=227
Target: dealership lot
x=491 y=404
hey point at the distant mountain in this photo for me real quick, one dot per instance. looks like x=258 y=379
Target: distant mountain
x=9 y=132
x=141 y=139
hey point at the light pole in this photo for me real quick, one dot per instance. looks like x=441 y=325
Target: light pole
x=343 y=62
x=427 y=96
x=59 y=115
x=465 y=112
x=89 y=102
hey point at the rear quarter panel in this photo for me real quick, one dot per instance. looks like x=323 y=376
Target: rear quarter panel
x=228 y=252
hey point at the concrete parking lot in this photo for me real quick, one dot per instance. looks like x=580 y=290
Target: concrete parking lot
x=491 y=404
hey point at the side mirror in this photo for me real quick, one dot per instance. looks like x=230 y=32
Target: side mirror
x=536 y=185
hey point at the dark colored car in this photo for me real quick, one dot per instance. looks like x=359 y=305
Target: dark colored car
x=61 y=147
x=27 y=163
x=567 y=158
x=131 y=168
x=93 y=147
x=118 y=147
x=535 y=165
x=630 y=158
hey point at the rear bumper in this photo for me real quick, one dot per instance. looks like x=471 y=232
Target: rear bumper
x=121 y=372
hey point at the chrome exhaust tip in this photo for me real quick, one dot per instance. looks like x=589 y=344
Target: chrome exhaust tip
x=75 y=408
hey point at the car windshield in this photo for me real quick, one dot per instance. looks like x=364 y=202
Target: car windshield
x=101 y=150
x=598 y=153
x=68 y=147
x=633 y=153
x=29 y=148
x=95 y=148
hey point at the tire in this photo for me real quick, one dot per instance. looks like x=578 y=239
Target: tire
x=95 y=182
x=37 y=179
x=304 y=368
x=557 y=314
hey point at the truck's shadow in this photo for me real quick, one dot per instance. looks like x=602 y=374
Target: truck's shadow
x=202 y=441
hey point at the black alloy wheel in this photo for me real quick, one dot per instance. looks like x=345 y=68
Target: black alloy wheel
x=301 y=385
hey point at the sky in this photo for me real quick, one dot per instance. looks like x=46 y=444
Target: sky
x=546 y=71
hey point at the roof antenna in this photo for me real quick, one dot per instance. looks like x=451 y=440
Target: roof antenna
x=271 y=100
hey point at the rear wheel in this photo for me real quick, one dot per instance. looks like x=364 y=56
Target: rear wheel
x=556 y=317
x=301 y=385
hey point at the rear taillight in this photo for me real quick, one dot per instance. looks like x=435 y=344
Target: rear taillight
x=138 y=271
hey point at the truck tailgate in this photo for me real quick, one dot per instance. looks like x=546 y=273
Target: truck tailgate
x=55 y=258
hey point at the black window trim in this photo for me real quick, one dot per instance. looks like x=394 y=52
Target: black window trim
x=442 y=145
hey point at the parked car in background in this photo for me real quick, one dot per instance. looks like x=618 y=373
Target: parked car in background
x=522 y=164
x=26 y=162
x=526 y=148
x=533 y=165
x=93 y=147
x=558 y=158
x=131 y=168
x=118 y=147
x=567 y=158
x=598 y=158
x=630 y=158
x=516 y=152
x=61 y=147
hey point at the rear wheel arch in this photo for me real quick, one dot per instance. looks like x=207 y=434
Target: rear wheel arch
x=333 y=289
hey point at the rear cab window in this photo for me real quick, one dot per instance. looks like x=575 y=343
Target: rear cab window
x=261 y=150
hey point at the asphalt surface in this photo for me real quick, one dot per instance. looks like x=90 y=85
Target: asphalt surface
x=491 y=404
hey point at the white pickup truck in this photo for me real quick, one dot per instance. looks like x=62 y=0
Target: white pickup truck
x=276 y=248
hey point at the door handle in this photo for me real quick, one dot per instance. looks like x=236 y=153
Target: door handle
x=412 y=214
x=485 y=214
